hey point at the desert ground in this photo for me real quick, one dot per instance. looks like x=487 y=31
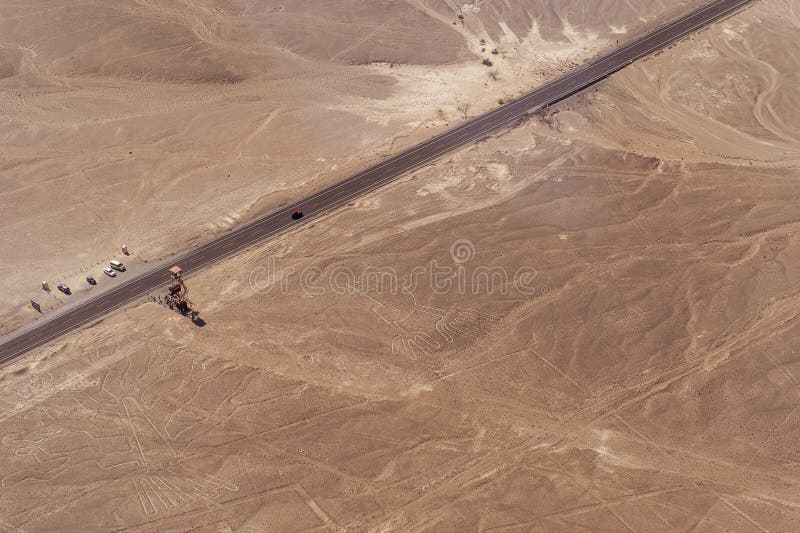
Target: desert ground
x=587 y=322
x=159 y=124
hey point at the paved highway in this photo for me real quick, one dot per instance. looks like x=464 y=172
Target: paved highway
x=16 y=344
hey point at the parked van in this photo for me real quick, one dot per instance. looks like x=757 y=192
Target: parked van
x=116 y=265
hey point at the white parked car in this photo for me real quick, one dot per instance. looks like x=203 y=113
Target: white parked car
x=109 y=272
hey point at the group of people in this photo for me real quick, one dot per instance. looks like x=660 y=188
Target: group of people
x=175 y=302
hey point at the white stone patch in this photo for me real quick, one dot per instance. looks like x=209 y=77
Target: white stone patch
x=730 y=32
x=509 y=37
x=705 y=53
x=499 y=176
x=416 y=390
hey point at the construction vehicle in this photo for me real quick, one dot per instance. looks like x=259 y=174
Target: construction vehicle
x=177 y=293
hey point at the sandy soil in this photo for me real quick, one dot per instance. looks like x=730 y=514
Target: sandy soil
x=161 y=123
x=637 y=370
